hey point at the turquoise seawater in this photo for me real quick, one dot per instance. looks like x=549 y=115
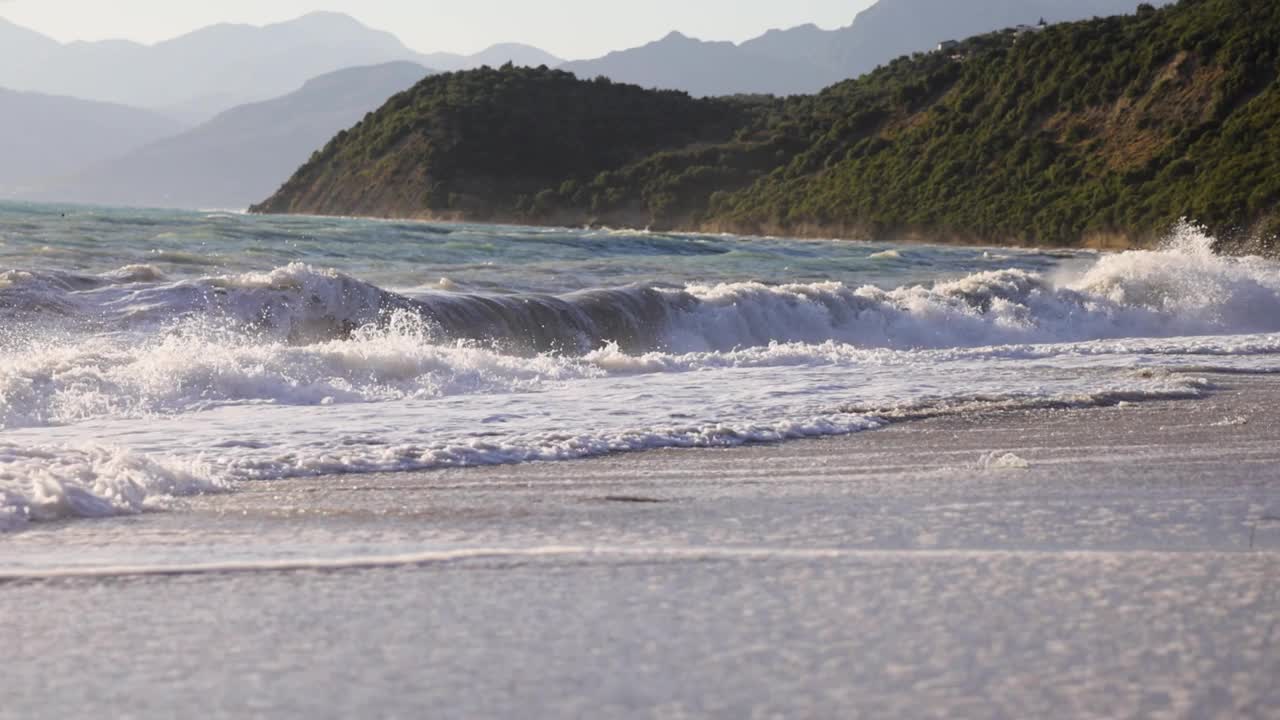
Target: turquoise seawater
x=416 y=255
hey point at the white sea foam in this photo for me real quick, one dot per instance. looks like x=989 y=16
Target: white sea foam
x=1003 y=461
x=1181 y=289
x=302 y=371
x=568 y=444
x=197 y=366
x=41 y=483
x=53 y=482
x=222 y=447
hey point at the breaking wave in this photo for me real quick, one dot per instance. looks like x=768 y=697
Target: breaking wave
x=298 y=335
x=198 y=366
x=78 y=348
x=1181 y=289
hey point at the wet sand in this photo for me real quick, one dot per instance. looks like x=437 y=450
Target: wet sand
x=1103 y=562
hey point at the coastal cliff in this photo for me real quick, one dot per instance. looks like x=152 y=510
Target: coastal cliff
x=1104 y=132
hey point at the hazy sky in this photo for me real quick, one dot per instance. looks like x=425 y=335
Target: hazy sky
x=569 y=28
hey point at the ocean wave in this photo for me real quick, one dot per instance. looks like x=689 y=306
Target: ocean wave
x=1179 y=289
x=199 y=365
x=42 y=483
x=302 y=336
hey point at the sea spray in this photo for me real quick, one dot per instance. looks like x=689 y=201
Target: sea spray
x=131 y=372
x=1181 y=290
x=197 y=365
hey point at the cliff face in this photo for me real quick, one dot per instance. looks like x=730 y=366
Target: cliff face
x=1111 y=128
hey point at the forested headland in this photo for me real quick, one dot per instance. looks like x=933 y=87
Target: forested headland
x=1102 y=131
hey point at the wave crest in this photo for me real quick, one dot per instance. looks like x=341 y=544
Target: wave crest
x=303 y=336
x=1179 y=289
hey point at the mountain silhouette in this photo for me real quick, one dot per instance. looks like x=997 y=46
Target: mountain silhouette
x=197 y=75
x=44 y=136
x=807 y=58
x=703 y=68
x=494 y=56
x=892 y=28
x=243 y=154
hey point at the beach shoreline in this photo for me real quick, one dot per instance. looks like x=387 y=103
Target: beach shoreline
x=1024 y=561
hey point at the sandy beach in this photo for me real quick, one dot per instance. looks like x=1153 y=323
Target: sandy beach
x=1118 y=561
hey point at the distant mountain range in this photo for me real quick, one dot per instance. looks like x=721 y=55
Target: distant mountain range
x=241 y=155
x=494 y=56
x=214 y=118
x=44 y=135
x=704 y=68
x=202 y=73
x=807 y=58
x=195 y=76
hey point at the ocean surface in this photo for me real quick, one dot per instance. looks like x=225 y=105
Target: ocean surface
x=149 y=355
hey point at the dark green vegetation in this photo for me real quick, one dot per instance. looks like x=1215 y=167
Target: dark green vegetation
x=505 y=143
x=1110 y=128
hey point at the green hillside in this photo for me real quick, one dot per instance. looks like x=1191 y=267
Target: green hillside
x=494 y=144
x=1108 y=129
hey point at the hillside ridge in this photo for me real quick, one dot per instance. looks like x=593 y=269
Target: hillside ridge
x=1102 y=130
